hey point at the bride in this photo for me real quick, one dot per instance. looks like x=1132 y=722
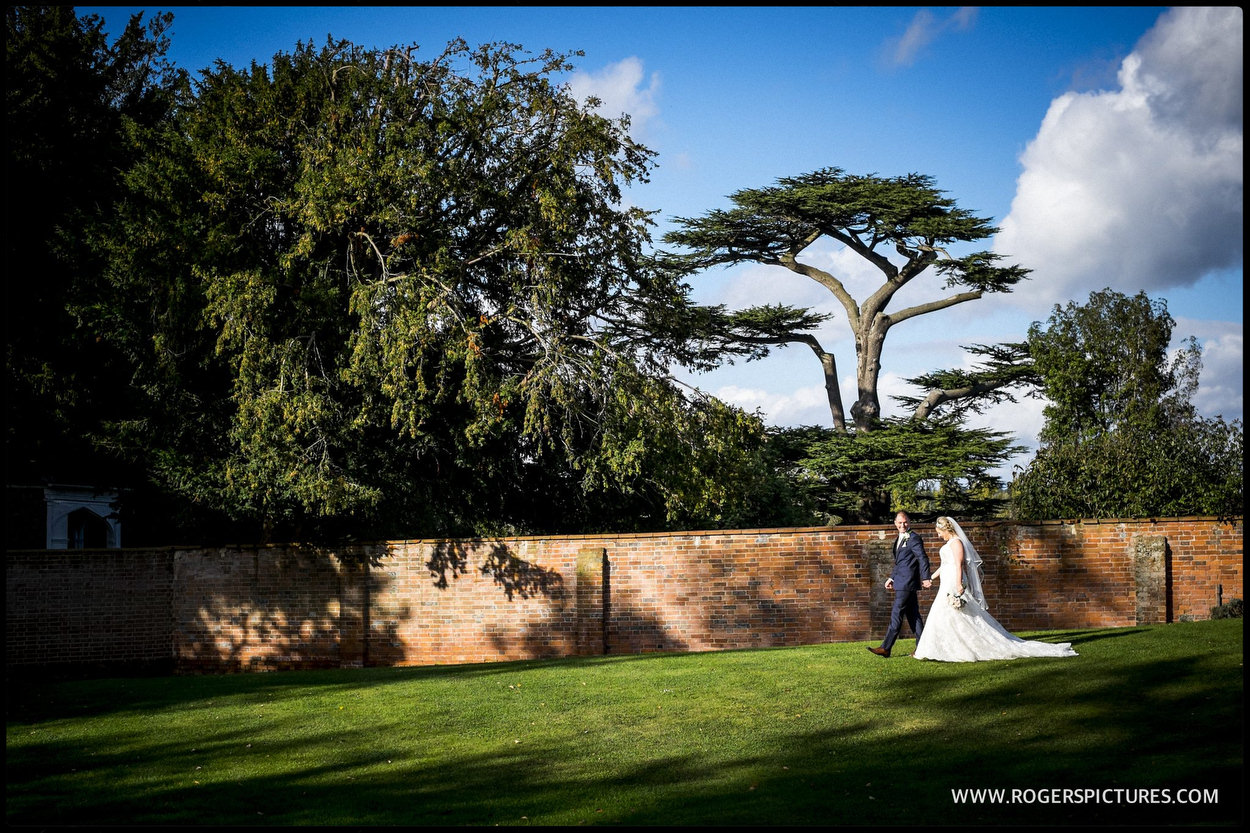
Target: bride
x=958 y=627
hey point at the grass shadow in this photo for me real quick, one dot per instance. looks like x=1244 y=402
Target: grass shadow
x=690 y=739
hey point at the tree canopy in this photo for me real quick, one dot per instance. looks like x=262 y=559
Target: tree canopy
x=363 y=290
x=1122 y=437
x=902 y=226
x=68 y=94
x=927 y=469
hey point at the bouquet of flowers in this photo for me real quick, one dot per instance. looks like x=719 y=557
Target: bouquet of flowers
x=957 y=599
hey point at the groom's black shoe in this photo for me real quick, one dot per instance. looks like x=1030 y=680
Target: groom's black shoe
x=881 y=652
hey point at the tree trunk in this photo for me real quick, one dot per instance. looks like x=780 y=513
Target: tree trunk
x=832 y=390
x=866 y=411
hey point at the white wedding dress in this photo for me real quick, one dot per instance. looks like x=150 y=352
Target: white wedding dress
x=970 y=633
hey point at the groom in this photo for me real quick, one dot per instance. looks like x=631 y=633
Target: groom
x=911 y=572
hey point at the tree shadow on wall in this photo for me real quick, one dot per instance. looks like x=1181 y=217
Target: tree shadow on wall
x=1070 y=563
x=561 y=631
x=279 y=608
x=516 y=576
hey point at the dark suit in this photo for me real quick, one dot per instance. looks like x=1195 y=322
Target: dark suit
x=911 y=567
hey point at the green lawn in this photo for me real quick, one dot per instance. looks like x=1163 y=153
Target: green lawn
x=825 y=734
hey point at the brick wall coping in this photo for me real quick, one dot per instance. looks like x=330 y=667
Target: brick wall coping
x=596 y=536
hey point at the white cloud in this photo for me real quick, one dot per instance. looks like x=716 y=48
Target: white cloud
x=1222 y=378
x=619 y=87
x=924 y=29
x=1138 y=188
x=800 y=406
x=1199 y=52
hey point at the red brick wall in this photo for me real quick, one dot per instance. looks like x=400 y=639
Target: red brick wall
x=443 y=602
x=88 y=608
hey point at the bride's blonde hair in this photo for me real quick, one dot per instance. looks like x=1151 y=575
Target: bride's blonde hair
x=945 y=523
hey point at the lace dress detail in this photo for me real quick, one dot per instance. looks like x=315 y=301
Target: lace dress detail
x=971 y=634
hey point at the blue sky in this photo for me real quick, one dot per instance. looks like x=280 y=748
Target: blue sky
x=1105 y=142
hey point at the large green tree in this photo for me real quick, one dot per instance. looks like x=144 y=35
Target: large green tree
x=70 y=93
x=902 y=226
x=398 y=295
x=1122 y=437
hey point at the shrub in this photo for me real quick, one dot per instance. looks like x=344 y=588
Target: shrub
x=1236 y=609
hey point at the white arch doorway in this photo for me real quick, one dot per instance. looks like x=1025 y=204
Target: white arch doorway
x=82 y=517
